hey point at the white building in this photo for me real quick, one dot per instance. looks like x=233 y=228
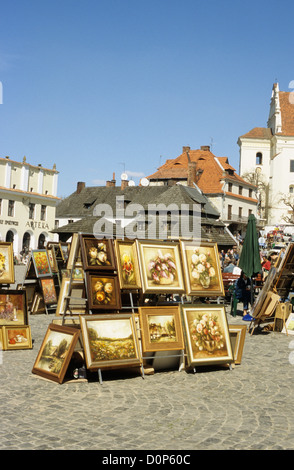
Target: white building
x=28 y=198
x=270 y=151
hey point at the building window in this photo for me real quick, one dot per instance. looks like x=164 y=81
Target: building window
x=259 y=158
x=249 y=212
x=230 y=187
x=291 y=189
x=250 y=192
x=240 y=190
x=10 y=208
x=291 y=166
x=31 y=210
x=240 y=212
x=229 y=212
x=43 y=212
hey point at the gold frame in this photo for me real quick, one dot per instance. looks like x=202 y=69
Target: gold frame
x=206 y=334
x=151 y=345
x=7 y=276
x=38 y=273
x=18 y=344
x=161 y=284
x=43 y=282
x=133 y=256
x=103 y=280
x=207 y=263
x=120 y=323
x=237 y=336
x=56 y=332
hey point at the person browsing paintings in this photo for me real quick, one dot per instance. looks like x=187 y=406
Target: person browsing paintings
x=243 y=293
x=266 y=266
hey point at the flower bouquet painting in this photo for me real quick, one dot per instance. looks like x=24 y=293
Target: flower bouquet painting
x=202 y=268
x=160 y=267
x=6 y=263
x=103 y=292
x=128 y=267
x=97 y=254
x=207 y=335
x=41 y=263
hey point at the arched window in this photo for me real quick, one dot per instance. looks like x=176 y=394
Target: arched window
x=291 y=189
x=259 y=158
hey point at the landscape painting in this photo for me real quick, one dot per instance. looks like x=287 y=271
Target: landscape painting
x=110 y=341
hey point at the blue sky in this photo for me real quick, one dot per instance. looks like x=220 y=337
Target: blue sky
x=103 y=86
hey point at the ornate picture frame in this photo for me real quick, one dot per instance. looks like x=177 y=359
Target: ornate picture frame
x=127 y=264
x=103 y=291
x=97 y=254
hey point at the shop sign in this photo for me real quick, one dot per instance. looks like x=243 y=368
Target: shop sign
x=34 y=225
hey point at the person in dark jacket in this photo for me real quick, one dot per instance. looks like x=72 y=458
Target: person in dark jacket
x=243 y=291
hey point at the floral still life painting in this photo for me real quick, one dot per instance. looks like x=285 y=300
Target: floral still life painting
x=160 y=267
x=103 y=292
x=49 y=291
x=128 y=268
x=110 y=340
x=97 y=254
x=6 y=263
x=202 y=269
x=41 y=263
x=207 y=335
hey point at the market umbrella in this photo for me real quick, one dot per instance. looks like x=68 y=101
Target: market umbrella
x=249 y=260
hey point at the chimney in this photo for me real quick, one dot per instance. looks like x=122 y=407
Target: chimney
x=112 y=182
x=124 y=184
x=205 y=147
x=186 y=149
x=80 y=186
x=191 y=174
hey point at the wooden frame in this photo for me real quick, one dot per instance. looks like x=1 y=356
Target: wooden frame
x=75 y=249
x=161 y=329
x=103 y=291
x=97 y=254
x=237 y=336
x=202 y=269
x=6 y=263
x=49 y=291
x=289 y=328
x=13 y=307
x=55 y=352
x=41 y=263
x=52 y=259
x=127 y=264
x=17 y=337
x=206 y=334
x=75 y=305
x=160 y=267
x=1 y=338
x=110 y=341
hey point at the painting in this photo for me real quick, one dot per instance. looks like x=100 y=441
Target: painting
x=76 y=304
x=161 y=328
x=289 y=328
x=6 y=263
x=206 y=333
x=202 y=269
x=49 y=292
x=74 y=256
x=160 y=267
x=41 y=263
x=55 y=352
x=52 y=259
x=17 y=337
x=110 y=341
x=128 y=266
x=1 y=338
x=103 y=291
x=237 y=336
x=13 y=307
x=97 y=254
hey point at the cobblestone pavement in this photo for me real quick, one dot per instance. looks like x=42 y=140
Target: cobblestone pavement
x=246 y=408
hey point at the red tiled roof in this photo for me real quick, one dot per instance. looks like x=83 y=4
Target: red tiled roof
x=258 y=133
x=287 y=112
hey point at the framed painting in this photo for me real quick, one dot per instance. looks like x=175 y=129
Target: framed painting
x=17 y=337
x=160 y=267
x=6 y=263
x=237 y=336
x=52 y=259
x=128 y=266
x=49 y=292
x=55 y=352
x=97 y=254
x=289 y=327
x=77 y=304
x=161 y=329
x=202 y=269
x=41 y=263
x=103 y=291
x=110 y=341
x=206 y=334
x=1 y=338
x=13 y=307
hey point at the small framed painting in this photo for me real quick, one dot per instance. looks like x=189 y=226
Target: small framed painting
x=97 y=254
x=160 y=267
x=103 y=291
x=17 y=337
x=55 y=352
x=41 y=263
x=6 y=263
x=128 y=266
x=13 y=307
x=77 y=304
x=161 y=329
x=207 y=335
x=49 y=291
x=110 y=341
x=237 y=336
x=52 y=259
x=202 y=269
